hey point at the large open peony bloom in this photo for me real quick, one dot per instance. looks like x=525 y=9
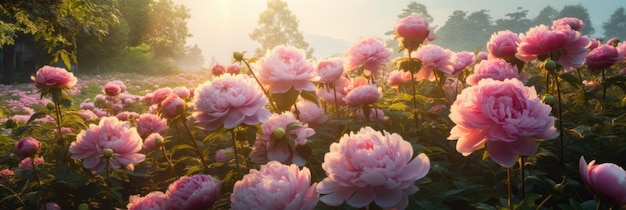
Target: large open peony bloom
x=564 y=45
x=371 y=166
x=606 y=180
x=228 y=101
x=496 y=69
x=504 y=116
x=50 y=77
x=150 y=123
x=275 y=186
x=112 y=134
x=155 y=200
x=503 y=44
x=285 y=67
x=574 y=23
x=433 y=57
x=269 y=147
x=370 y=53
x=198 y=191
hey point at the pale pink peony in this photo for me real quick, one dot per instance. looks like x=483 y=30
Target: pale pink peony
x=198 y=191
x=111 y=134
x=566 y=46
x=395 y=78
x=275 y=186
x=460 y=61
x=172 y=106
x=268 y=147
x=26 y=163
x=160 y=94
x=329 y=70
x=328 y=94
x=149 y=144
x=218 y=69
x=54 y=77
x=503 y=44
x=433 y=57
x=602 y=57
x=310 y=113
x=155 y=200
x=182 y=92
x=26 y=147
x=371 y=53
x=355 y=83
x=284 y=68
x=606 y=180
x=233 y=69
x=572 y=22
x=496 y=69
x=363 y=95
x=150 y=123
x=371 y=166
x=506 y=117
x=229 y=100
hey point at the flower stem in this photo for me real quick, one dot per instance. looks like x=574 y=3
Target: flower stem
x=336 y=103
x=559 y=112
x=261 y=85
x=521 y=173
x=195 y=144
x=108 y=177
x=57 y=109
x=509 y=172
x=414 y=93
x=232 y=135
x=41 y=192
x=169 y=162
x=443 y=93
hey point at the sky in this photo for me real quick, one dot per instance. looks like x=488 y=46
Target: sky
x=220 y=27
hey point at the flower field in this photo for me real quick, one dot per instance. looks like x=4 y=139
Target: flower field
x=536 y=121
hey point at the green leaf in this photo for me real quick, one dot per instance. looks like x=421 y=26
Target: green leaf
x=37 y=115
x=571 y=79
x=66 y=59
x=310 y=96
x=285 y=100
x=398 y=106
x=304 y=151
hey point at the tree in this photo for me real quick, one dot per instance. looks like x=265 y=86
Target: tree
x=167 y=30
x=580 y=12
x=193 y=59
x=278 y=26
x=516 y=21
x=465 y=32
x=615 y=27
x=136 y=13
x=545 y=16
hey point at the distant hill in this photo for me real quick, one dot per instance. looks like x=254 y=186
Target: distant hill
x=325 y=46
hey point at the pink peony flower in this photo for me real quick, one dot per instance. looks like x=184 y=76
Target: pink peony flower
x=172 y=106
x=370 y=53
x=412 y=30
x=329 y=70
x=433 y=57
x=328 y=94
x=26 y=163
x=64 y=131
x=503 y=44
x=198 y=191
x=363 y=95
x=268 y=146
x=506 y=117
x=155 y=200
x=87 y=105
x=222 y=155
x=6 y=172
x=395 y=78
x=149 y=144
x=218 y=69
x=233 y=69
x=228 y=101
x=112 y=89
x=285 y=67
x=371 y=166
x=275 y=186
x=182 y=92
x=572 y=22
x=566 y=46
x=496 y=69
x=602 y=57
x=150 y=123
x=606 y=180
x=54 y=77
x=482 y=55
x=160 y=94
x=460 y=61
x=310 y=113
x=87 y=115
x=26 y=147
x=111 y=134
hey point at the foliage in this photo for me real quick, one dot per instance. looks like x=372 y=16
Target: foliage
x=451 y=34
x=615 y=27
x=517 y=22
x=580 y=12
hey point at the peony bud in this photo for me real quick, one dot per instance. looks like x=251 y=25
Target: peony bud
x=549 y=99
x=50 y=106
x=238 y=56
x=26 y=147
x=279 y=133
x=107 y=153
x=550 y=65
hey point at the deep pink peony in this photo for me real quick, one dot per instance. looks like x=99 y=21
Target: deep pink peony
x=218 y=69
x=606 y=180
x=149 y=144
x=172 y=106
x=503 y=44
x=26 y=147
x=506 y=117
x=150 y=123
x=496 y=69
x=160 y=94
x=268 y=147
x=233 y=69
x=228 y=101
x=413 y=27
x=573 y=23
x=329 y=70
x=198 y=191
x=111 y=134
x=155 y=200
x=275 y=186
x=460 y=61
x=433 y=57
x=112 y=89
x=54 y=77
x=328 y=94
x=371 y=166
x=602 y=57
x=363 y=95
x=310 y=113
x=564 y=45
x=26 y=163
x=182 y=92
x=285 y=67
x=370 y=53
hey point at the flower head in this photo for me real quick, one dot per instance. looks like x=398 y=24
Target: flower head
x=496 y=69
x=329 y=70
x=182 y=92
x=370 y=53
x=112 y=89
x=275 y=186
x=433 y=57
x=198 y=191
x=412 y=30
x=363 y=95
x=49 y=77
x=506 y=117
x=284 y=68
x=26 y=163
x=26 y=147
x=371 y=166
x=602 y=57
x=228 y=101
x=310 y=113
x=564 y=45
x=460 y=61
x=150 y=143
x=109 y=134
x=172 y=106
x=571 y=22
x=606 y=180
x=218 y=69
x=150 y=123
x=155 y=200
x=503 y=44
